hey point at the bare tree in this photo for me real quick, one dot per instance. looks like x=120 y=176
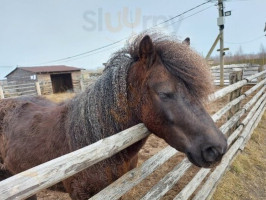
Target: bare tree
x=262 y=53
x=239 y=55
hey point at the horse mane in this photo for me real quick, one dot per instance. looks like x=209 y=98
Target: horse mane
x=181 y=61
x=102 y=109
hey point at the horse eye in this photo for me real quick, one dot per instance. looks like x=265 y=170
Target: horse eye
x=166 y=95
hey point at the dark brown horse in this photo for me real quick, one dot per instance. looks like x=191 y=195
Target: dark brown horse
x=155 y=80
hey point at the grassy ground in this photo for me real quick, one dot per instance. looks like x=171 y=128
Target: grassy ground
x=246 y=177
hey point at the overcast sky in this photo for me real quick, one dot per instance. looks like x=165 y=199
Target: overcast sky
x=38 y=32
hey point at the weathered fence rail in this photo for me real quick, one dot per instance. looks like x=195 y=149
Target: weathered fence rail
x=15 y=90
x=34 y=180
x=248 y=70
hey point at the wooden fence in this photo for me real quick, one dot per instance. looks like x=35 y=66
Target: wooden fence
x=40 y=177
x=248 y=70
x=14 y=90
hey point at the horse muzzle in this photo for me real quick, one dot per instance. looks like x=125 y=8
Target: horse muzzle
x=208 y=156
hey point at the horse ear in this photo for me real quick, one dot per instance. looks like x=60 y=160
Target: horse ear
x=147 y=51
x=187 y=41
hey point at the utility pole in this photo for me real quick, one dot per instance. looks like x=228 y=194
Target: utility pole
x=220 y=22
x=220 y=37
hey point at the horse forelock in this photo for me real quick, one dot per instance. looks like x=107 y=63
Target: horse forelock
x=181 y=61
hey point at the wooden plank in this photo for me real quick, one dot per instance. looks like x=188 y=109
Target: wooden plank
x=135 y=176
x=118 y=188
x=254 y=98
x=19 y=85
x=235 y=76
x=255 y=76
x=165 y=184
x=13 y=97
x=21 y=186
x=218 y=84
x=158 y=191
x=216 y=73
x=213 y=46
x=253 y=110
x=186 y=192
x=246 y=135
x=189 y=189
x=2 y=96
x=115 y=194
x=234 y=119
x=251 y=90
x=196 y=181
x=82 y=86
x=230 y=123
x=260 y=69
x=20 y=93
x=223 y=165
x=213 y=179
x=19 y=88
x=218 y=81
x=246 y=74
x=170 y=180
x=224 y=91
x=226 y=108
x=38 y=88
x=248 y=131
x=236 y=66
x=53 y=176
x=248 y=70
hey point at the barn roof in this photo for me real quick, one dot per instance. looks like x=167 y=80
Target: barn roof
x=47 y=69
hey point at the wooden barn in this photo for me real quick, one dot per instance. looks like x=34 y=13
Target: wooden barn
x=52 y=79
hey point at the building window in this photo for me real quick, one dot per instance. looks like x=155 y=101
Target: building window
x=33 y=77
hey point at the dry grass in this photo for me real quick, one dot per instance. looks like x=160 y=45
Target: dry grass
x=246 y=177
x=59 y=97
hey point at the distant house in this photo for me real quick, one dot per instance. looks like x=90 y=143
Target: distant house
x=53 y=79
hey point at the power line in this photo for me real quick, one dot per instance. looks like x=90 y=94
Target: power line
x=189 y=16
x=93 y=53
x=249 y=41
x=87 y=52
x=181 y=14
x=111 y=44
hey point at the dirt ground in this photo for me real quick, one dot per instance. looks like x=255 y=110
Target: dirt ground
x=244 y=180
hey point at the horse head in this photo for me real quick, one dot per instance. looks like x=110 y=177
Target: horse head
x=168 y=97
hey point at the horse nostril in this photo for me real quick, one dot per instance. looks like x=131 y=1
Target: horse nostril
x=211 y=154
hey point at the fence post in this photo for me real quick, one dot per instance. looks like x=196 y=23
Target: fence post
x=2 y=96
x=235 y=76
x=38 y=88
x=260 y=69
x=82 y=88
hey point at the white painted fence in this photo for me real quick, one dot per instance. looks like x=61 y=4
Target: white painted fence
x=34 y=180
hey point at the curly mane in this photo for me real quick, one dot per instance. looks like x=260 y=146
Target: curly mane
x=180 y=60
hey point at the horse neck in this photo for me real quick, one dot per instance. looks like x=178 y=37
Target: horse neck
x=103 y=109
